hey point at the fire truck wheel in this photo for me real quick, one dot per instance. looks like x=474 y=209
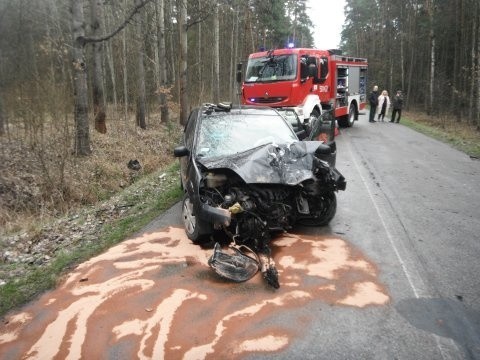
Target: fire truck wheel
x=351 y=115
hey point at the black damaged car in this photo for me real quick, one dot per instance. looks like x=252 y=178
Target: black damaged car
x=245 y=172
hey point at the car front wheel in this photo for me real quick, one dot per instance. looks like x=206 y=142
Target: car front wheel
x=322 y=209
x=196 y=229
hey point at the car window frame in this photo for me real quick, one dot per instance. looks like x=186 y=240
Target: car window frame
x=190 y=129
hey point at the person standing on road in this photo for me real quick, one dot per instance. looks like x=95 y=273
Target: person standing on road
x=373 y=100
x=397 y=106
x=383 y=105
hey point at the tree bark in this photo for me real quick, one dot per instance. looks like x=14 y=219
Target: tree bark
x=111 y=65
x=200 y=54
x=125 y=75
x=82 y=131
x=473 y=65
x=216 y=55
x=430 y=9
x=171 y=44
x=162 y=57
x=141 y=102
x=97 y=84
x=477 y=117
x=182 y=28
x=2 y=117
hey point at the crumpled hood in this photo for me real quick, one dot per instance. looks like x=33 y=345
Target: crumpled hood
x=288 y=164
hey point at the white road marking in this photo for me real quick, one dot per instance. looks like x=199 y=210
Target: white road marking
x=405 y=270
x=387 y=231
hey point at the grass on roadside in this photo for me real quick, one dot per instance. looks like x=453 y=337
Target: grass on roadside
x=461 y=136
x=149 y=196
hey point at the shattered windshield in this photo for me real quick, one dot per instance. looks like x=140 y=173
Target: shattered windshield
x=229 y=134
x=273 y=68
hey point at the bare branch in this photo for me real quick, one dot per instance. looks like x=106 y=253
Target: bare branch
x=139 y=5
x=200 y=13
x=199 y=19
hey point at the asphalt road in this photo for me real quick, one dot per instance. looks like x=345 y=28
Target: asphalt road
x=394 y=276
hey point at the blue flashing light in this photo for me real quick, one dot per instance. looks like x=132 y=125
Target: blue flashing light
x=291 y=45
x=252 y=99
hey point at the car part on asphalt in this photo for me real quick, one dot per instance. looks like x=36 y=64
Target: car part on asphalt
x=234 y=266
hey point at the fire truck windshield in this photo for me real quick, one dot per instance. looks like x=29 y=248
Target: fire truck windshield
x=272 y=68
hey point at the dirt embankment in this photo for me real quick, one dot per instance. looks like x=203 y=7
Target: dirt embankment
x=51 y=201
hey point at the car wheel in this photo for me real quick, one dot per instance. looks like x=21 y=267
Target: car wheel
x=322 y=209
x=196 y=229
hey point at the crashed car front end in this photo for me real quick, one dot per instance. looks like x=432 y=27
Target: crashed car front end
x=246 y=174
x=268 y=189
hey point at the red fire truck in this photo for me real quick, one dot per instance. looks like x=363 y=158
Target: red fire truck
x=308 y=80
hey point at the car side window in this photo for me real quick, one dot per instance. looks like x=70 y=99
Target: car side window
x=190 y=129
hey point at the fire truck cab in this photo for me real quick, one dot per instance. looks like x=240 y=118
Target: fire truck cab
x=309 y=80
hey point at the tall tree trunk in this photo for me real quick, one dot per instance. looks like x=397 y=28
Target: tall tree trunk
x=432 y=73
x=182 y=28
x=456 y=64
x=125 y=73
x=162 y=55
x=201 y=55
x=2 y=116
x=156 y=51
x=113 y=77
x=98 y=101
x=171 y=50
x=216 y=55
x=82 y=131
x=477 y=117
x=430 y=9
x=473 y=69
x=3 y=120
x=402 y=61
x=141 y=101
x=234 y=55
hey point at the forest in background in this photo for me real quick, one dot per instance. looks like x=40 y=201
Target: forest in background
x=158 y=55
x=168 y=52
x=428 y=48
x=77 y=74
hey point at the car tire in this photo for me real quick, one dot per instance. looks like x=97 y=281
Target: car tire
x=325 y=207
x=196 y=229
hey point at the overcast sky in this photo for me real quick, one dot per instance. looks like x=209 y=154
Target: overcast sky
x=328 y=18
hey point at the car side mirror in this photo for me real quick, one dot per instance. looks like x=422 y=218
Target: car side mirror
x=181 y=151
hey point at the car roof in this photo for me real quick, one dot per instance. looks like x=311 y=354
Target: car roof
x=211 y=109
